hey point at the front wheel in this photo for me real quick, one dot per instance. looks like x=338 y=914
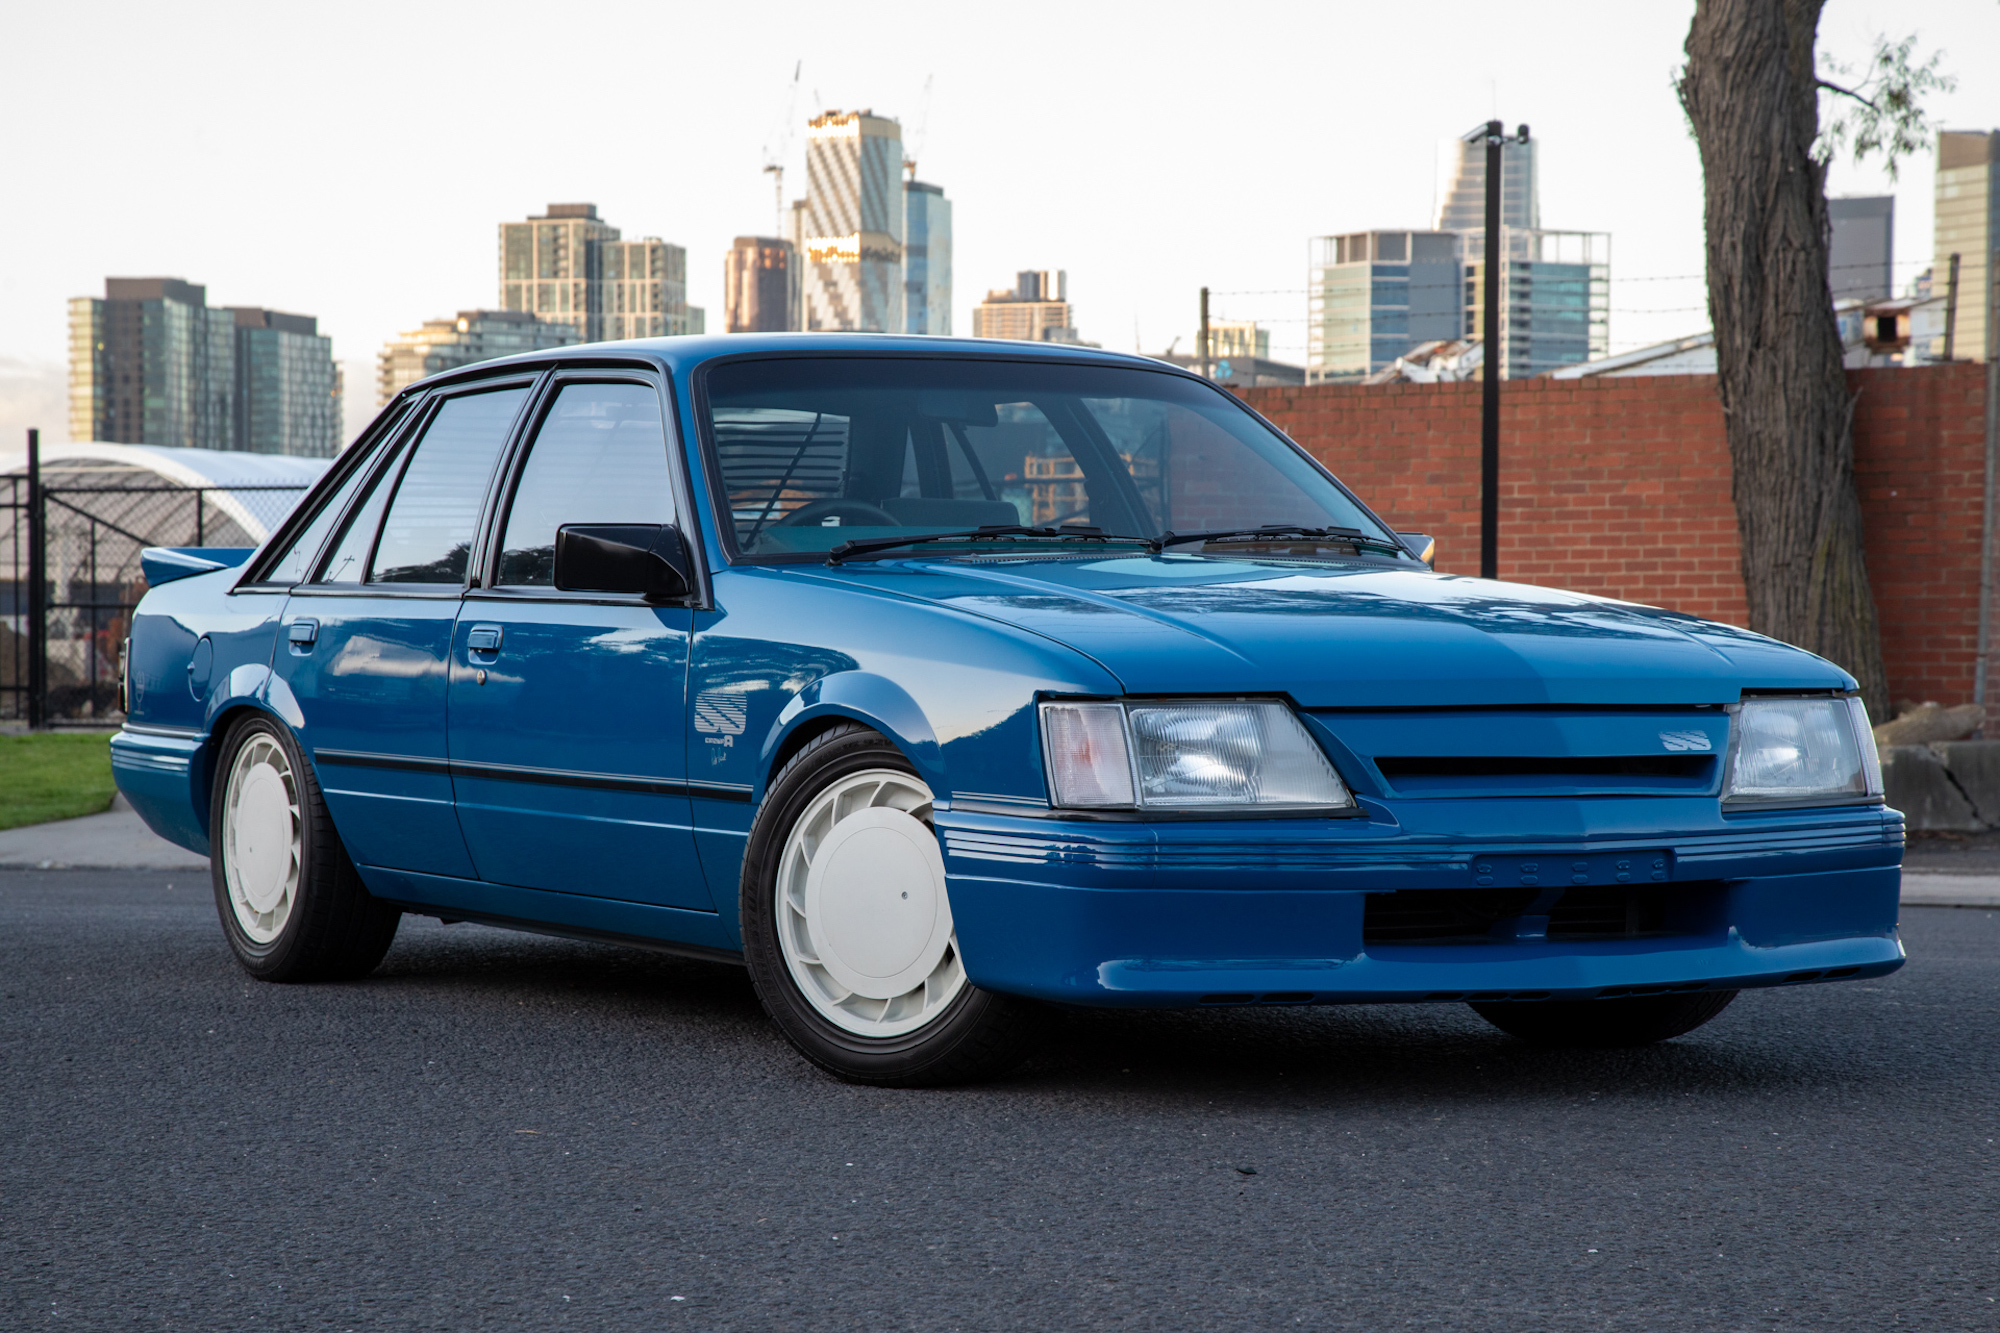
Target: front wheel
x=1637 y=1020
x=292 y=906
x=848 y=931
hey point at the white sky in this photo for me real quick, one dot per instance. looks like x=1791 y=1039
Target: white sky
x=351 y=160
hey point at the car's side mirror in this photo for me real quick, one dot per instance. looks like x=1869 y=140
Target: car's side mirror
x=645 y=558
x=1421 y=545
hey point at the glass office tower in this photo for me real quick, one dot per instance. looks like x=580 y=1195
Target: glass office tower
x=1555 y=299
x=851 y=223
x=1374 y=295
x=926 y=259
x=287 y=387
x=1461 y=195
x=150 y=363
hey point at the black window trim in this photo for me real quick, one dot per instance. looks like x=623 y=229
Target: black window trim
x=711 y=460
x=365 y=454
x=481 y=586
x=391 y=475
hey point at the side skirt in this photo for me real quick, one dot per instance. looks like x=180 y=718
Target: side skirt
x=576 y=916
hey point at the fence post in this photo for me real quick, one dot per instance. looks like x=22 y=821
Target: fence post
x=199 y=505
x=38 y=593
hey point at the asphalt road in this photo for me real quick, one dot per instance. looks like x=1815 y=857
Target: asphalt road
x=503 y=1131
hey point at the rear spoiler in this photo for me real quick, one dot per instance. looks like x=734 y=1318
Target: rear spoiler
x=164 y=564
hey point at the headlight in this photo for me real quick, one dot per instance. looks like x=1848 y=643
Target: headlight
x=1795 y=751
x=1185 y=756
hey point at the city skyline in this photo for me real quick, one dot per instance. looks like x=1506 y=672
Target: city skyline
x=151 y=362
x=1619 y=160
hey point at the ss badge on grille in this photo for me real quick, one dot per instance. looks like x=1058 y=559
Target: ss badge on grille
x=1679 y=741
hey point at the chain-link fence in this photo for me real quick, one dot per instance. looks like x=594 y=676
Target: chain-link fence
x=73 y=533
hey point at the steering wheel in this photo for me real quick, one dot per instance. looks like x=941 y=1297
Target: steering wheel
x=849 y=511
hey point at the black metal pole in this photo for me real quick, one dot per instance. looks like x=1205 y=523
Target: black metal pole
x=1204 y=334
x=1489 y=375
x=38 y=577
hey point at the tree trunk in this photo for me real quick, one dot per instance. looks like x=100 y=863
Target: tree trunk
x=1751 y=94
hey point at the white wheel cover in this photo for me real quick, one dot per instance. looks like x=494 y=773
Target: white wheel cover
x=260 y=842
x=863 y=920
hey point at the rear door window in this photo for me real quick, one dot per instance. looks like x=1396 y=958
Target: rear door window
x=427 y=534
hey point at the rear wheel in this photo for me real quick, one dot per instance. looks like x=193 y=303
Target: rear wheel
x=848 y=931
x=292 y=906
x=1628 y=1021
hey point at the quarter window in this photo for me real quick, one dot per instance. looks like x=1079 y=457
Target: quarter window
x=427 y=536
x=599 y=457
x=291 y=566
x=350 y=557
x=296 y=563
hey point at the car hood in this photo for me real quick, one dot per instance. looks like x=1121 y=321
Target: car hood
x=1353 y=635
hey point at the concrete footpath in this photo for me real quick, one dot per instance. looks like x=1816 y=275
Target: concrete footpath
x=119 y=840
x=115 y=840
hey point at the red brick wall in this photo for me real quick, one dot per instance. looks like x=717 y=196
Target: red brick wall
x=1621 y=487
x=1919 y=456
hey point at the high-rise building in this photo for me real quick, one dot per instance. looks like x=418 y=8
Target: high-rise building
x=1374 y=295
x=850 y=225
x=645 y=290
x=568 y=266
x=1861 y=255
x=760 y=286
x=473 y=335
x=1555 y=305
x=1967 y=225
x=151 y=363
x=1036 y=309
x=926 y=259
x=287 y=385
x=1238 y=338
x=1461 y=196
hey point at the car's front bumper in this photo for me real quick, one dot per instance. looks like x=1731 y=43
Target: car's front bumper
x=1274 y=911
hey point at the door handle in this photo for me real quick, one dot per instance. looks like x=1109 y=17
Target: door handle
x=302 y=633
x=483 y=639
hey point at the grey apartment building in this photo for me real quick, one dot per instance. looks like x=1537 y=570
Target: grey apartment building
x=152 y=363
x=439 y=345
x=1967 y=225
x=1861 y=252
x=568 y=266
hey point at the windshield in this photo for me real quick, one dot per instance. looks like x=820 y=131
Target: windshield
x=810 y=453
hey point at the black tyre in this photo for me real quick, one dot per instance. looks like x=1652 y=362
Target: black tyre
x=847 y=928
x=292 y=905
x=1629 y=1021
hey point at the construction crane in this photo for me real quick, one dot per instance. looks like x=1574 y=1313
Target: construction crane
x=913 y=142
x=779 y=147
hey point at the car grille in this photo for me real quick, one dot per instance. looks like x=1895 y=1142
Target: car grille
x=1469 y=916
x=1443 y=775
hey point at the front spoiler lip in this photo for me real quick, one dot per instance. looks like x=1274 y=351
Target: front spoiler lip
x=1410 y=973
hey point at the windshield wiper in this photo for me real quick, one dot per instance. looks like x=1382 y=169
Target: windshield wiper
x=991 y=532
x=1354 y=537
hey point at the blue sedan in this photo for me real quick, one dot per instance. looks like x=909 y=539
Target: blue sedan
x=937 y=681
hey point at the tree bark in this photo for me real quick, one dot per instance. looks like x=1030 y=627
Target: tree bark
x=1751 y=95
